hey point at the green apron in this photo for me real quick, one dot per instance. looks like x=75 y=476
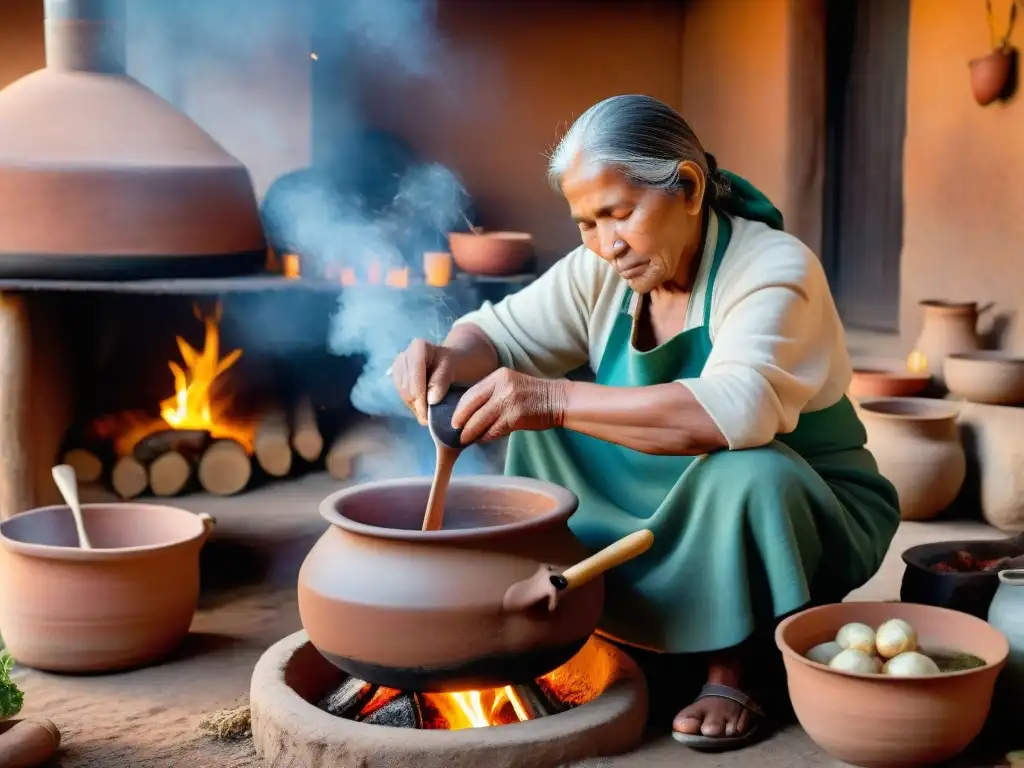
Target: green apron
x=741 y=537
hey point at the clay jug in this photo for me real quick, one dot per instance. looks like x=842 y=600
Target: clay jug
x=1006 y=613
x=948 y=328
x=916 y=443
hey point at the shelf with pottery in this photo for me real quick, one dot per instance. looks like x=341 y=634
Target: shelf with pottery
x=946 y=424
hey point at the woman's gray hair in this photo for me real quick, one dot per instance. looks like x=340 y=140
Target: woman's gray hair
x=645 y=140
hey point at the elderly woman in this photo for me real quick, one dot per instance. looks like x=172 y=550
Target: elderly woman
x=717 y=419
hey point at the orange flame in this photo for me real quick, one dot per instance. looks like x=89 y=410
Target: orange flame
x=477 y=709
x=292 y=266
x=192 y=406
x=348 y=276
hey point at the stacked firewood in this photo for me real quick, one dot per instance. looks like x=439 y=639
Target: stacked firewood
x=171 y=462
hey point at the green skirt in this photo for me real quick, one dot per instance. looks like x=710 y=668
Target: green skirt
x=743 y=538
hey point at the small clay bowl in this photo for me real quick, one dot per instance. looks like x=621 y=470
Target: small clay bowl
x=991 y=377
x=878 y=721
x=873 y=382
x=491 y=253
x=125 y=603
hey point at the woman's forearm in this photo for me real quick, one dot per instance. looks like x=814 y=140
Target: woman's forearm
x=663 y=419
x=474 y=355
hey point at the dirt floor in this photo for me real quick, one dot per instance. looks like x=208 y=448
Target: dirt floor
x=149 y=718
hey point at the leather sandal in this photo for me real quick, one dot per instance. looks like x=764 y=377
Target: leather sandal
x=723 y=743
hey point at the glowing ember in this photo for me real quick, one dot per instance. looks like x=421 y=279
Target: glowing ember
x=917 y=362
x=582 y=679
x=477 y=709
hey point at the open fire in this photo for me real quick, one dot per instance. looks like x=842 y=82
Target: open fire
x=196 y=403
x=582 y=679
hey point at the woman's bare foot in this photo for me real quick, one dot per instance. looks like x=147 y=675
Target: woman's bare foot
x=715 y=715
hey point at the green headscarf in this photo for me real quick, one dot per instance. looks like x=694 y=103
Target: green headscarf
x=748 y=202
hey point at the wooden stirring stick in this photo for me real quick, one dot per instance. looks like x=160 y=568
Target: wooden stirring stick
x=448 y=444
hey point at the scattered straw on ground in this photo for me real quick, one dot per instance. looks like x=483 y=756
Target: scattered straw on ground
x=232 y=724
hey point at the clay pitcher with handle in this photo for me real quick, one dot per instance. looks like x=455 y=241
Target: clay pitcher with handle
x=948 y=328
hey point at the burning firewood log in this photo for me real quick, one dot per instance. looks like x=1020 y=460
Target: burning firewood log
x=272 y=446
x=306 y=438
x=129 y=477
x=225 y=468
x=169 y=473
x=171 y=457
x=87 y=465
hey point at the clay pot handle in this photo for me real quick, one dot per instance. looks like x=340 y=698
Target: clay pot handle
x=623 y=550
x=209 y=523
x=545 y=585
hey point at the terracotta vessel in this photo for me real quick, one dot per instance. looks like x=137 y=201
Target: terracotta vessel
x=491 y=253
x=996 y=378
x=125 y=603
x=990 y=75
x=1006 y=613
x=423 y=610
x=873 y=382
x=949 y=328
x=102 y=178
x=917 y=445
x=878 y=721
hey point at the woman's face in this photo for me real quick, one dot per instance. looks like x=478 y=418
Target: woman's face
x=649 y=236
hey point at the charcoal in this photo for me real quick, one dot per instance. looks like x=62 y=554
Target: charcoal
x=537 y=701
x=401 y=712
x=348 y=698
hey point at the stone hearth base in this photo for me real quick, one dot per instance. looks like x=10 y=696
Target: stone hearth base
x=289 y=730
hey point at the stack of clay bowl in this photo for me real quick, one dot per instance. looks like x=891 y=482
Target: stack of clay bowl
x=989 y=386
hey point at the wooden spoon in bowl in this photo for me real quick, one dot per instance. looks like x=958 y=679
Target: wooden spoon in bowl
x=67 y=484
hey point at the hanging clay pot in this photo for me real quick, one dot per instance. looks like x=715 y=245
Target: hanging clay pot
x=990 y=75
x=916 y=443
x=948 y=328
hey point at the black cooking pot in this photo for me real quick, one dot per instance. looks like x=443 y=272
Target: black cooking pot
x=969 y=592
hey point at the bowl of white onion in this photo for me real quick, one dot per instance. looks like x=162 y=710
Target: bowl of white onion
x=890 y=684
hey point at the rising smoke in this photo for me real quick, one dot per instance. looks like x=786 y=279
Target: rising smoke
x=336 y=215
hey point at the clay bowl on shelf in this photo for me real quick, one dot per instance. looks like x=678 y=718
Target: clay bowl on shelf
x=491 y=253
x=880 y=382
x=424 y=610
x=125 y=603
x=878 y=721
x=967 y=590
x=995 y=378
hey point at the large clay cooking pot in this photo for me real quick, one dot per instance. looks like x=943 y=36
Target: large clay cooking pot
x=423 y=610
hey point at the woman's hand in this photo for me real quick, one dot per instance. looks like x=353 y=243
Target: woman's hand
x=507 y=401
x=422 y=375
